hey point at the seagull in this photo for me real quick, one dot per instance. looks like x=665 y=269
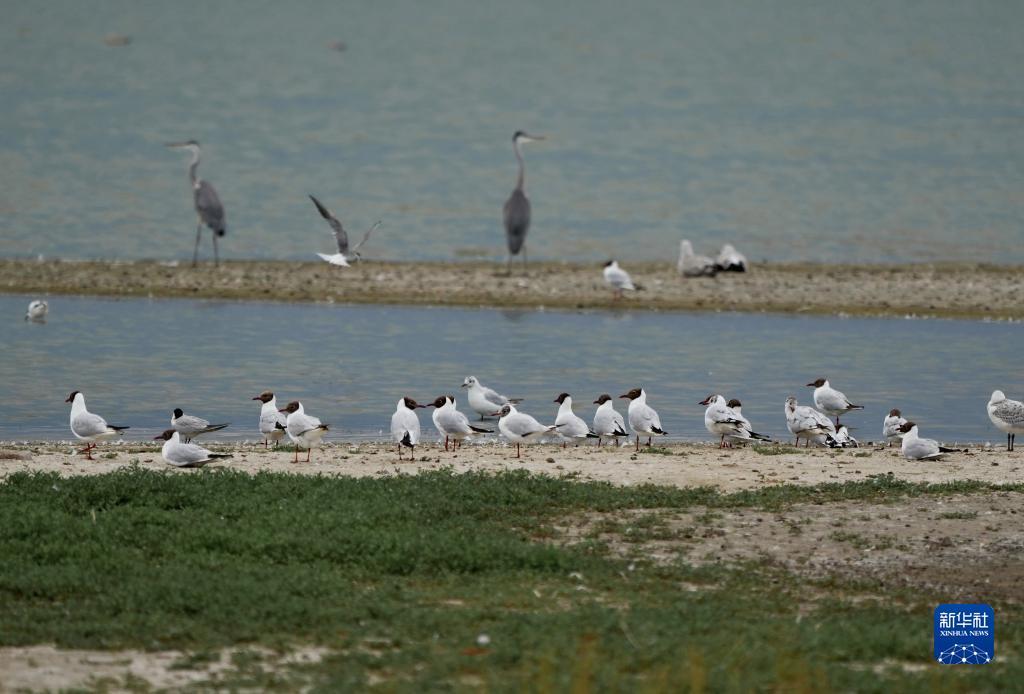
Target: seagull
x=181 y=454
x=807 y=423
x=37 y=311
x=730 y=260
x=304 y=430
x=1007 y=415
x=608 y=422
x=844 y=439
x=721 y=420
x=483 y=400
x=916 y=448
x=519 y=427
x=692 y=265
x=272 y=422
x=643 y=420
x=88 y=426
x=891 y=426
x=831 y=401
x=189 y=426
x=737 y=409
x=342 y=256
x=569 y=425
x=617 y=278
x=405 y=426
x=451 y=423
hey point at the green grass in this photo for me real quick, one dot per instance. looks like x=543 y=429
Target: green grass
x=399 y=576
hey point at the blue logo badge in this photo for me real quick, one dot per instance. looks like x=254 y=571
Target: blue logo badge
x=965 y=634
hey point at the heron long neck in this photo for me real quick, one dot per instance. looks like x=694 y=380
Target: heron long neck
x=193 y=166
x=522 y=167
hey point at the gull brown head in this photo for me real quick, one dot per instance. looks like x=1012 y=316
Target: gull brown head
x=166 y=436
x=735 y=403
x=411 y=404
x=907 y=426
x=290 y=407
x=895 y=413
x=265 y=396
x=602 y=399
x=71 y=398
x=632 y=395
x=561 y=398
x=817 y=384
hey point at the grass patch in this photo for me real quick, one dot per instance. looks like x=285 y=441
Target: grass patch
x=400 y=577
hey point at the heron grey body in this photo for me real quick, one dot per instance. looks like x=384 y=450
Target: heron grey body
x=209 y=209
x=516 y=212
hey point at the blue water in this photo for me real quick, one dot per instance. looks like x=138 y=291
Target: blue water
x=138 y=359
x=834 y=131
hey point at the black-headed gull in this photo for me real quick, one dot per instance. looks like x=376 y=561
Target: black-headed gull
x=272 y=422
x=891 y=426
x=89 y=427
x=304 y=430
x=607 y=422
x=341 y=237
x=617 y=278
x=451 y=423
x=730 y=260
x=570 y=426
x=180 y=454
x=190 y=426
x=405 y=426
x=483 y=400
x=1007 y=415
x=916 y=448
x=37 y=311
x=737 y=408
x=722 y=421
x=844 y=439
x=809 y=424
x=643 y=420
x=692 y=265
x=831 y=401
x=519 y=427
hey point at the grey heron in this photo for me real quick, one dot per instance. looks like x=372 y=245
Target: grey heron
x=208 y=207
x=342 y=256
x=517 y=207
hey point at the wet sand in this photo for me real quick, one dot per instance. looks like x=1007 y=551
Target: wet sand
x=681 y=465
x=940 y=290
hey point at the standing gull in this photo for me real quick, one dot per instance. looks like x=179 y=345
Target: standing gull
x=722 y=421
x=405 y=426
x=809 y=424
x=342 y=256
x=89 y=427
x=730 y=260
x=519 y=427
x=617 y=278
x=181 y=454
x=643 y=420
x=516 y=212
x=483 y=400
x=607 y=422
x=916 y=448
x=891 y=426
x=190 y=426
x=208 y=207
x=304 y=430
x=37 y=311
x=831 y=401
x=272 y=422
x=1007 y=415
x=737 y=410
x=692 y=265
x=451 y=423
x=570 y=426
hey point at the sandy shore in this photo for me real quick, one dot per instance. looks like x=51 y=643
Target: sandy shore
x=944 y=290
x=682 y=465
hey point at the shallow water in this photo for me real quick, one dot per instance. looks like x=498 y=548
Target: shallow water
x=137 y=359
x=835 y=131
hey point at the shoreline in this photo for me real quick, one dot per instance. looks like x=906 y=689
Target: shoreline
x=938 y=290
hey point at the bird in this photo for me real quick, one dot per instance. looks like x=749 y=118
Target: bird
x=570 y=426
x=343 y=255
x=190 y=426
x=916 y=448
x=693 y=265
x=453 y=424
x=482 y=399
x=891 y=426
x=89 y=427
x=1007 y=415
x=181 y=454
x=405 y=426
x=304 y=430
x=722 y=421
x=516 y=212
x=209 y=209
x=809 y=424
x=737 y=409
x=617 y=278
x=608 y=422
x=519 y=427
x=831 y=401
x=272 y=422
x=643 y=420
x=730 y=260
x=37 y=311
x=844 y=439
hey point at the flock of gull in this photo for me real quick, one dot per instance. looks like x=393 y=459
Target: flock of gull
x=722 y=418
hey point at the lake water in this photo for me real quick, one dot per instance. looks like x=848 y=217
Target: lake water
x=137 y=359
x=833 y=131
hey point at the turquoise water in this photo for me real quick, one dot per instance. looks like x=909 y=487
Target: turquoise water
x=136 y=360
x=832 y=131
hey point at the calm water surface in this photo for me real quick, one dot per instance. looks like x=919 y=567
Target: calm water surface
x=830 y=130
x=136 y=360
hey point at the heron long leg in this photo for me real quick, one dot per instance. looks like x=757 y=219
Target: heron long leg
x=195 y=252
x=525 y=263
x=216 y=258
